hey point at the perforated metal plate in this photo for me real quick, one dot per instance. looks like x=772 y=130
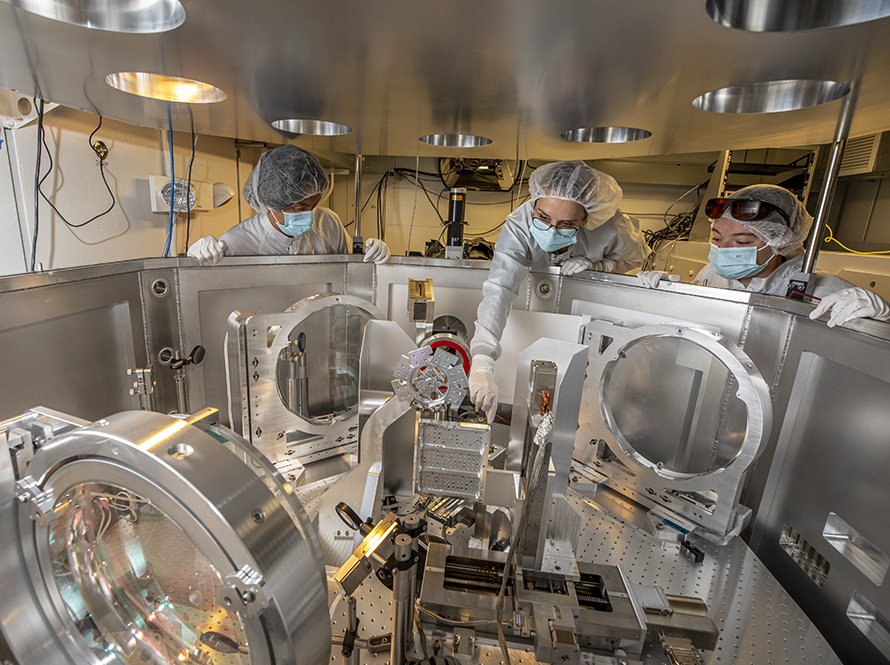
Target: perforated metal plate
x=450 y=458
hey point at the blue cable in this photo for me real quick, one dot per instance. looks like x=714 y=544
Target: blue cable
x=172 y=184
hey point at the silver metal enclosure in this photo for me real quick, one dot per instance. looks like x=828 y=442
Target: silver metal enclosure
x=147 y=537
x=821 y=470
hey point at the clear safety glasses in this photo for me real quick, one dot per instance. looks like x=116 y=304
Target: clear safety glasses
x=543 y=226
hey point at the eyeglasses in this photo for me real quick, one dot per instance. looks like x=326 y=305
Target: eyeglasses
x=744 y=210
x=544 y=226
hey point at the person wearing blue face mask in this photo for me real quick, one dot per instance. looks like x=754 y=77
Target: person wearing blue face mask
x=757 y=236
x=572 y=221
x=285 y=188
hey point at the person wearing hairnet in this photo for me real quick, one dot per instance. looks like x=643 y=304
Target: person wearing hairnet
x=757 y=237
x=285 y=189
x=571 y=221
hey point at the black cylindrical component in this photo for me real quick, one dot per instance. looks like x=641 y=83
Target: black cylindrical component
x=456 y=204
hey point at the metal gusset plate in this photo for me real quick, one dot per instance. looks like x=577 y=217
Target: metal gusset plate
x=431 y=380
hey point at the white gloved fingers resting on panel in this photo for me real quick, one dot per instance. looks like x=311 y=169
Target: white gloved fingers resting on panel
x=852 y=303
x=483 y=389
x=651 y=278
x=208 y=249
x=604 y=265
x=575 y=265
x=376 y=251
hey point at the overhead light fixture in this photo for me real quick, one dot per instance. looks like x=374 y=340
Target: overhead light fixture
x=771 y=96
x=456 y=140
x=166 y=88
x=312 y=127
x=791 y=15
x=606 y=134
x=139 y=16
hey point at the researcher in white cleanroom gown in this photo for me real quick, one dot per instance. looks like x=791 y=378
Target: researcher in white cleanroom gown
x=285 y=188
x=757 y=237
x=571 y=221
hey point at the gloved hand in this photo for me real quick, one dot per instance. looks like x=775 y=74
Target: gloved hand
x=578 y=264
x=376 y=251
x=852 y=303
x=575 y=265
x=651 y=278
x=208 y=249
x=483 y=389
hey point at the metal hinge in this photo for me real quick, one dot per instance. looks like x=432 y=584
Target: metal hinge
x=243 y=591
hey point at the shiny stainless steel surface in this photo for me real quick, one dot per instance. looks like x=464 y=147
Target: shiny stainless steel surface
x=759 y=622
x=134 y=16
x=831 y=457
x=772 y=15
x=332 y=326
x=571 y=362
x=184 y=473
x=771 y=96
x=69 y=337
x=705 y=491
x=518 y=73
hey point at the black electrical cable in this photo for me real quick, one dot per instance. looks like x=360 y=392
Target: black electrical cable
x=101 y=171
x=39 y=105
x=188 y=214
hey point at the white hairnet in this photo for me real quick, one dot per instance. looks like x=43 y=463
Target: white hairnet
x=282 y=177
x=598 y=192
x=785 y=238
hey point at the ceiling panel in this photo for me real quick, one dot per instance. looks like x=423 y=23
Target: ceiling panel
x=520 y=72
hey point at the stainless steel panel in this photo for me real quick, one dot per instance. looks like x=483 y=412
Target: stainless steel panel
x=208 y=294
x=830 y=458
x=68 y=340
x=516 y=72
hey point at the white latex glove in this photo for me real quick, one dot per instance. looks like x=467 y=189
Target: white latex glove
x=208 y=249
x=853 y=303
x=575 y=265
x=651 y=278
x=483 y=389
x=376 y=251
x=578 y=264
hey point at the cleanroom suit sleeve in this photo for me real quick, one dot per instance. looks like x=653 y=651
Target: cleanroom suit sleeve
x=509 y=267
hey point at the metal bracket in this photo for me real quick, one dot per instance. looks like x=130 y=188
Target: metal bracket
x=679 y=650
x=41 y=502
x=143 y=385
x=243 y=591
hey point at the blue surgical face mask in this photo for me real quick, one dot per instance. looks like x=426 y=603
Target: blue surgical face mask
x=297 y=224
x=550 y=240
x=735 y=262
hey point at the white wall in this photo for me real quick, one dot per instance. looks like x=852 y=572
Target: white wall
x=75 y=186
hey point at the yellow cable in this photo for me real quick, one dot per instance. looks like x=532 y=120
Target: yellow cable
x=830 y=238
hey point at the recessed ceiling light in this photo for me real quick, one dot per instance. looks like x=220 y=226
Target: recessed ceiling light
x=456 y=140
x=313 y=127
x=139 y=16
x=166 y=88
x=606 y=134
x=771 y=96
x=789 y=15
